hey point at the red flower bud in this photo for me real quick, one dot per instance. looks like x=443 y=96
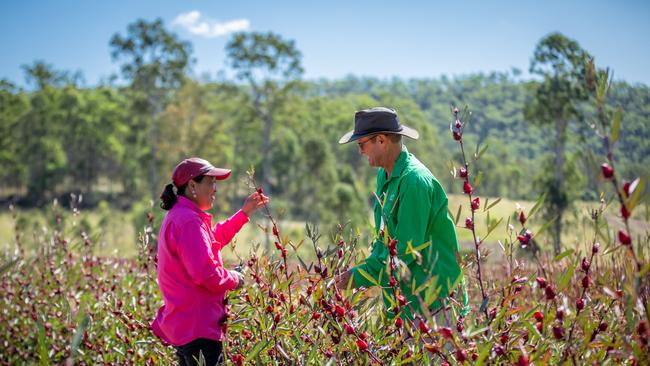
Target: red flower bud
x=315 y=316
x=269 y=309
x=349 y=329
x=580 y=304
x=595 y=248
x=626 y=188
x=498 y=350
x=625 y=213
x=559 y=315
x=392 y=282
x=468 y=223
x=463 y=172
x=457 y=136
x=392 y=244
x=607 y=170
x=558 y=332
x=458 y=124
x=260 y=190
x=522 y=217
x=276 y=319
x=541 y=281
x=550 y=293
x=340 y=253
x=476 y=203
x=446 y=332
x=540 y=327
x=278 y=246
x=522 y=361
x=339 y=310
x=467 y=188
x=461 y=355
x=362 y=345
x=585 y=264
x=503 y=339
x=423 y=327
x=539 y=316
x=401 y=299
x=275 y=230
x=602 y=327
x=398 y=322
x=624 y=238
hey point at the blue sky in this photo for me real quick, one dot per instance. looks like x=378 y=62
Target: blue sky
x=336 y=38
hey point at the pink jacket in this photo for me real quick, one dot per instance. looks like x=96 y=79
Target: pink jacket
x=191 y=275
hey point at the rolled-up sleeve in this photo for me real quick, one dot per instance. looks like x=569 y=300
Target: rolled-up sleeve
x=195 y=252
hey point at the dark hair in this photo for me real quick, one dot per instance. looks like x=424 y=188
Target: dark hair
x=168 y=197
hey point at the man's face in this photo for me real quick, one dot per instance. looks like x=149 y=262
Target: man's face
x=371 y=147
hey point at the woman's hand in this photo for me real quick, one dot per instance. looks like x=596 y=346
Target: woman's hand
x=240 y=276
x=254 y=202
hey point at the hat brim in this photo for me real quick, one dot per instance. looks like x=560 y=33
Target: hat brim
x=218 y=173
x=406 y=131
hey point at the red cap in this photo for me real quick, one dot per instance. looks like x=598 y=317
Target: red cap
x=194 y=167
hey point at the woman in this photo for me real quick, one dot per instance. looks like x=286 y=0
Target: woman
x=191 y=275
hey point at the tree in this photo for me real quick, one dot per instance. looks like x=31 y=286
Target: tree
x=155 y=63
x=271 y=67
x=561 y=63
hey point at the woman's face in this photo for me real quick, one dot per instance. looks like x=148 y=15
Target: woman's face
x=205 y=192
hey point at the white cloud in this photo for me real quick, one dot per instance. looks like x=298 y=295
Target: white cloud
x=195 y=23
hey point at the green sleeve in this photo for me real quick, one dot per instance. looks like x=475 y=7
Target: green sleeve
x=412 y=216
x=374 y=265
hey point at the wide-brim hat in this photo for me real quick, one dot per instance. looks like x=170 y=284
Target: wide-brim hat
x=194 y=167
x=377 y=120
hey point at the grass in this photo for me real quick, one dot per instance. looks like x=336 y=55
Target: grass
x=114 y=232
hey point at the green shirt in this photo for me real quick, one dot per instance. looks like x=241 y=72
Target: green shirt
x=414 y=213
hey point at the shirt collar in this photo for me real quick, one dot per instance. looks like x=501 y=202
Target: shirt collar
x=400 y=163
x=186 y=202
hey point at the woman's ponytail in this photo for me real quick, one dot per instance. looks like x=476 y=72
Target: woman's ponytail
x=168 y=197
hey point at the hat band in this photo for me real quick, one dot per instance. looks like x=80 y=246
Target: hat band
x=376 y=130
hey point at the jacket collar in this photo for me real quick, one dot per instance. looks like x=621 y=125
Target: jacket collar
x=185 y=202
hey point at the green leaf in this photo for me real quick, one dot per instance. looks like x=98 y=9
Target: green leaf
x=617 y=124
x=368 y=277
x=491 y=204
x=537 y=205
x=563 y=254
x=42 y=346
x=477 y=181
x=78 y=334
x=644 y=270
x=545 y=226
x=460 y=208
x=483 y=353
x=603 y=86
x=478 y=155
x=5 y=267
x=634 y=199
x=563 y=282
x=492 y=227
x=259 y=347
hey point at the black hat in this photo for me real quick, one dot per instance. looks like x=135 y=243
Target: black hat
x=377 y=120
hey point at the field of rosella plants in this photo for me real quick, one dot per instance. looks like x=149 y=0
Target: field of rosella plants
x=61 y=304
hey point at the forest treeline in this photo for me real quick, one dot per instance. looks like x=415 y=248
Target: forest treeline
x=119 y=141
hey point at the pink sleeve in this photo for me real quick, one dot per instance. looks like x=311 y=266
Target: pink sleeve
x=195 y=252
x=227 y=229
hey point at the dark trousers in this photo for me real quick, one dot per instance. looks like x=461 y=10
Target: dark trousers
x=189 y=354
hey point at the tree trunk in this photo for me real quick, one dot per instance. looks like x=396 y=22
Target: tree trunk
x=560 y=133
x=266 y=169
x=154 y=151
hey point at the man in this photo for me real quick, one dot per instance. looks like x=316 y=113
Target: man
x=411 y=208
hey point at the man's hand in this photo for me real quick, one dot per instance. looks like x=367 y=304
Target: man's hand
x=343 y=279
